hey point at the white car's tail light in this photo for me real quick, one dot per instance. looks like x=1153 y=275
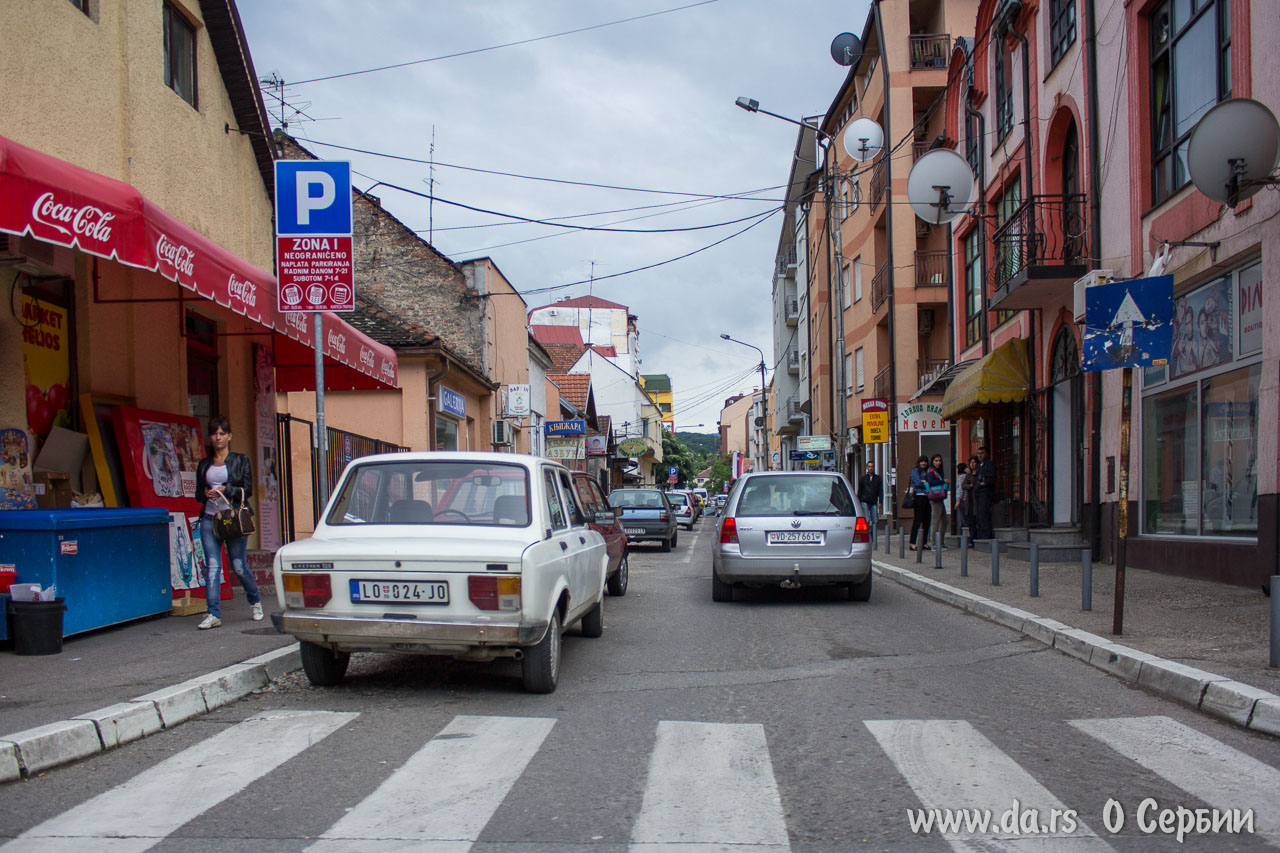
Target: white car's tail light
x=488 y=592
x=861 y=531
x=728 y=531
x=307 y=590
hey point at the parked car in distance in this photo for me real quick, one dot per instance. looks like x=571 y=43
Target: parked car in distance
x=792 y=529
x=646 y=516
x=474 y=556
x=701 y=494
x=715 y=505
x=603 y=519
x=682 y=506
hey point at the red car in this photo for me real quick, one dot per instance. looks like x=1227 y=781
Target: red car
x=604 y=520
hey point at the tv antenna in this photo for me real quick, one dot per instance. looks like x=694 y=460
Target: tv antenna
x=846 y=49
x=1234 y=150
x=940 y=186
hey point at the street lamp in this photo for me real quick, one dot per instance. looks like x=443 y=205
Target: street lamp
x=764 y=394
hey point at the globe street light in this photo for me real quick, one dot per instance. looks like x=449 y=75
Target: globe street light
x=764 y=395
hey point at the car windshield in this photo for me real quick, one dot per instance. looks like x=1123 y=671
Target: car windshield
x=636 y=498
x=433 y=492
x=802 y=494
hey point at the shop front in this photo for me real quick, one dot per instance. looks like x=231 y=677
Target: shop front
x=131 y=330
x=1197 y=498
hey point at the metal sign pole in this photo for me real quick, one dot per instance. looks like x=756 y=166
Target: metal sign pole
x=1126 y=414
x=321 y=436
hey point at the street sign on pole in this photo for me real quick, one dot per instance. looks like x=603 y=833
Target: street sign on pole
x=313 y=235
x=1128 y=323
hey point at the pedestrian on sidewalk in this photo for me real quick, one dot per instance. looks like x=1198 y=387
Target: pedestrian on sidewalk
x=919 y=492
x=967 y=501
x=984 y=492
x=224 y=476
x=871 y=492
x=962 y=474
x=935 y=478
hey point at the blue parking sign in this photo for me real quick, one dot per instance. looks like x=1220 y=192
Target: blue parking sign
x=313 y=198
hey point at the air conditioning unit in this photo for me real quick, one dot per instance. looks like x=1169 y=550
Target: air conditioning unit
x=504 y=434
x=926 y=322
x=1094 y=277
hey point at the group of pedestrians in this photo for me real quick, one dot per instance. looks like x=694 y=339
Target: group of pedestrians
x=927 y=494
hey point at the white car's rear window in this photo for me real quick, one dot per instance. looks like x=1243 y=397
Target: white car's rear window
x=799 y=494
x=433 y=492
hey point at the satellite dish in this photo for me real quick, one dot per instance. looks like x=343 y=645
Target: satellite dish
x=863 y=139
x=940 y=186
x=846 y=49
x=1233 y=150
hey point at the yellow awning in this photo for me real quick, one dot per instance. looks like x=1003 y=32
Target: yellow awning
x=1001 y=376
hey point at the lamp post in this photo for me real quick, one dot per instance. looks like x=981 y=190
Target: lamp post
x=764 y=395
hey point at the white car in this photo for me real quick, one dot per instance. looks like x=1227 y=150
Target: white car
x=475 y=556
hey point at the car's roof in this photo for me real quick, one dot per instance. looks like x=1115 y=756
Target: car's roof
x=487 y=458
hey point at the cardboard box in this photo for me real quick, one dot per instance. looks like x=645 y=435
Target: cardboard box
x=53 y=489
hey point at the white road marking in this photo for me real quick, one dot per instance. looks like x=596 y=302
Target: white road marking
x=951 y=765
x=442 y=797
x=693 y=547
x=710 y=787
x=1219 y=775
x=142 y=812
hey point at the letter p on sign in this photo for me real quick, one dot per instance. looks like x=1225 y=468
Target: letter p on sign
x=313 y=198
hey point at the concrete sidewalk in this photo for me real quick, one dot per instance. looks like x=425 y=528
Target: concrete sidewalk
x=118 y=684
x=1202 y=643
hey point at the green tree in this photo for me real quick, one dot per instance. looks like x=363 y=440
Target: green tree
x=686 y=463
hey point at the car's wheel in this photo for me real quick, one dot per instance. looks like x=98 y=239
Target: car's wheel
x=593 y=621
x=324 y=667
x=720 y=591
x=861 y=591
x=540 y=666
x=668 y=544
x=618 y=580
x=675 y=539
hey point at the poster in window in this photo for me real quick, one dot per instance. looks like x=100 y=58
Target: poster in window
x=46 y=363
x=186 y=554
x=1250 y=309
x=159 y=452
x=1202 y=328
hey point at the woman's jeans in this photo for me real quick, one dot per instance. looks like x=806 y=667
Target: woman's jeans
x=937 y=521
x=920 y=509
x=237 y=550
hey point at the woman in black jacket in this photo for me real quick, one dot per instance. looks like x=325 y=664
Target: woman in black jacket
x=226 y=475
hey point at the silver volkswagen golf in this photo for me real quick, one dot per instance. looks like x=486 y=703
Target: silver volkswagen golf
x=792 y=529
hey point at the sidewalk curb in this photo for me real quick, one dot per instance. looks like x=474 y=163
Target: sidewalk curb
x=35 y=750
x=1243 y=704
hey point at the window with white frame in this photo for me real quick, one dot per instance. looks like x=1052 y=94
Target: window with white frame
x=857 y=278
x=848 y=374
x=857 y=369
x=846 y=287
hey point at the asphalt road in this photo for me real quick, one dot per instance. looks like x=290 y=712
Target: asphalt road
x=786 y=720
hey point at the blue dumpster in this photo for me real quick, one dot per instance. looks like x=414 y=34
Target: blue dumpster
x=109 y=565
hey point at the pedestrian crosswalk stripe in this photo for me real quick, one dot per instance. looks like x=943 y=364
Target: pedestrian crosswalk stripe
x=1219 y=775
x=442 y=797
x=138 y=814
x=951 y=765
x=710 y=786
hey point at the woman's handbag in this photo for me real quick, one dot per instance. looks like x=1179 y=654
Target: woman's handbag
x=232 y=520
x=908 y=499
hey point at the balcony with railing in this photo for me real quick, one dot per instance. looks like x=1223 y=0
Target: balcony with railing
x=929 y=369
x=880 y=286
x=785 y=263
x=791 y=310
x=1039 y=252
x=879 y=173
x=920 y=147
x=931 y=269
x=790 y=416
x=930 y=51
x=881 y=386
x=793 y=360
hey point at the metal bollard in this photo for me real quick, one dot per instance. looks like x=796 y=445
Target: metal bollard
x=921 y=538
x=1035 y=570
x=995 y=562
x=902 y=544
x=1086 y=579
x=938 y=539
x=964 y=553
x=888 y=539
x=1275 y=622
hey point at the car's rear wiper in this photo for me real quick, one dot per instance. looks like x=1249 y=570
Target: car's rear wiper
x=816 y=512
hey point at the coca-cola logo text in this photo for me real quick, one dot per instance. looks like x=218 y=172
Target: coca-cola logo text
x=88 y=221
x=296 y=321
x=182 y=258
x=366 y=357
x=387 y=370
x=242 y=289
x=337 y=342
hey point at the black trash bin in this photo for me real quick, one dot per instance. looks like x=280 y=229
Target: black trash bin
x=36 y=626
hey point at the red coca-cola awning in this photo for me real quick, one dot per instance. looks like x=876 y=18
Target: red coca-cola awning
x=57 y=202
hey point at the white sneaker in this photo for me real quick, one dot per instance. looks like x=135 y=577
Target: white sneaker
x=256 y=610
x=209 y=621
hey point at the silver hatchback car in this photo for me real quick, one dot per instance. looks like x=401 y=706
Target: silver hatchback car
x=792 y=529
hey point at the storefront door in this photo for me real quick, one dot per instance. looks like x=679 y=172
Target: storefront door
x=202 y=370
x=1065 y=430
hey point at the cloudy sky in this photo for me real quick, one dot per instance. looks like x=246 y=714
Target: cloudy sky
x=645 y=104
